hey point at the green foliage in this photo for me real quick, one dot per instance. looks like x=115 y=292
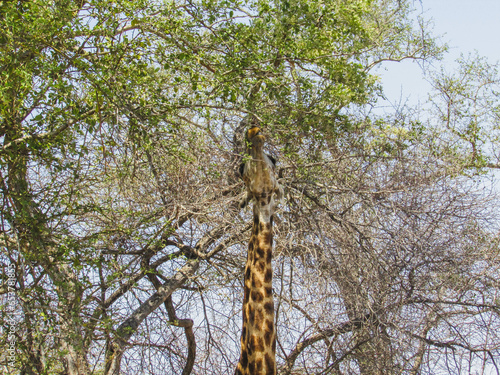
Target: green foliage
x=466 y=107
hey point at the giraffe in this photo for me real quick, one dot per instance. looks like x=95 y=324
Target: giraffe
x=258 y=335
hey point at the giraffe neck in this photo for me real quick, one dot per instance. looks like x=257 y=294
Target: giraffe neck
x=258 y=337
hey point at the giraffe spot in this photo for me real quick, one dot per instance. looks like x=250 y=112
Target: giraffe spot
x=250 y=246
x=257 y=296
x=244 y=334
x=269 y=308
x=259 y=319
x=244 y=359
x=251 y=368
x=251 y=315
x=269 y=334
x=268 y=225
x=269 y=254
x=247 y=273
x=268 y=238
x=257 y=344
x=269 y=291
x=270 y=364
x=255 y=221
x=270 y=325
x=268 y=277
x=259 y=365
x=260 y=252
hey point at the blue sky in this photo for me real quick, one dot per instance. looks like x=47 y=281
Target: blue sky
x=465 y=25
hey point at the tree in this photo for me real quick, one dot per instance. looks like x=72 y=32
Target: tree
x=465 y=106
x=119 y=193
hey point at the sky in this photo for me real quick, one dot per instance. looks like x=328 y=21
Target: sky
x=465 y=25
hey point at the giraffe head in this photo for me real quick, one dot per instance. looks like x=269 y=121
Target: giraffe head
x=255 y=137
x=258 y=173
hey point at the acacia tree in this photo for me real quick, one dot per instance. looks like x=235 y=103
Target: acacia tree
x=119 y=213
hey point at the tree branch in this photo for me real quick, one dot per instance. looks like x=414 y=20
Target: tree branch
x=46 y=135
x=335 y=331
x=130 y=325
